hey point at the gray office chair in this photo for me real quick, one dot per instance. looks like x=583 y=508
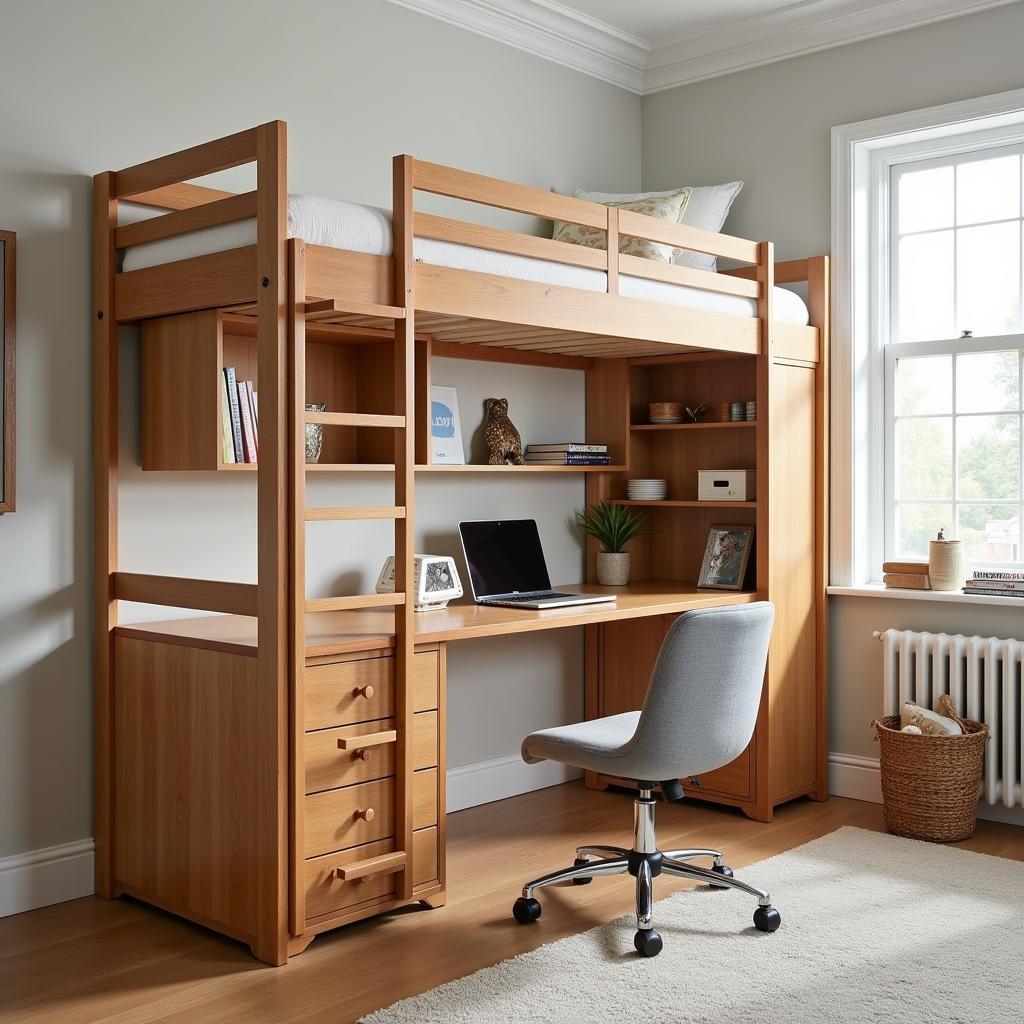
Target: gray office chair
x=699 y=714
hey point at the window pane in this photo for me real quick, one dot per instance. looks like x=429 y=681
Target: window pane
x=988 y=279
x=990 y=533
x=926 y=287
x=926 y=200
x=987 y=381
x=916 y=525
x=924 y=458
x=924 y=384
x=988 y=457
x=988 y=190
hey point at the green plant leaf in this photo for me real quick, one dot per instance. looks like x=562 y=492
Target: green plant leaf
x=613 y=526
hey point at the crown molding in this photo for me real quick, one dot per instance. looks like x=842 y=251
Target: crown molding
x=560 y=34
x=792 y=31
x=547 y=29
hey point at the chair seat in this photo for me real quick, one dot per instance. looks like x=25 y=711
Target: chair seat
x=603 y=745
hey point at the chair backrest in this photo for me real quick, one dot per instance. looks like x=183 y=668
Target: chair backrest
x=705 y=690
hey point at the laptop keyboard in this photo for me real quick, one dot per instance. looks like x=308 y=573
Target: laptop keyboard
x=546 y=596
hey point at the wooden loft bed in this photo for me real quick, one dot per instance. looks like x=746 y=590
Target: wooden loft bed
x=297 y=315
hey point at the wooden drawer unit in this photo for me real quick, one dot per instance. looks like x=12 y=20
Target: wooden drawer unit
x=732 y=780
x=347 y=692
x=327 y=767
x=338 y=818
x=327 y=894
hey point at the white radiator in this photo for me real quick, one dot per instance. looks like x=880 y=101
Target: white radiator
x=983 y=676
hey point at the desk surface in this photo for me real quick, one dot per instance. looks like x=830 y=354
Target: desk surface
x=330 y=633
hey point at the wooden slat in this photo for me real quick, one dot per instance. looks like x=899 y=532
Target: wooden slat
x=326 y=309
x=355 y=419
x=195 y=218
x=387 y=863
x=204 y=282
x=193 y=162
x=655 y=270
x=505 y=195
x=685 y=236
x=489 y=296
x=181 y=196
x=496 y=240
x=358 y=276
x=182 y=592
x=502 y=355
x=796 y=341
x=612 y=252
x=356 y=601
x=324 y=515
x=786 y=272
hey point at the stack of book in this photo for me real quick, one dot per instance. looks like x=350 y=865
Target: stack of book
x=567 y=453
x=997 y=584
x=239 y=419
x=906 y=575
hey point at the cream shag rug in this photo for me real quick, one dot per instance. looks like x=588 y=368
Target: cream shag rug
x=874 y=929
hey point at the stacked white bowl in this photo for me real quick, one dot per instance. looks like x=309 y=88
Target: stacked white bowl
x=647 y=490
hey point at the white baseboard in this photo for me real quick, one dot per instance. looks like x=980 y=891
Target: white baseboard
x=482 y=782
x=41 y=877
x=860 y=778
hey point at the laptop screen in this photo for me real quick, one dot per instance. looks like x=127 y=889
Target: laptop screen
x=504 y=557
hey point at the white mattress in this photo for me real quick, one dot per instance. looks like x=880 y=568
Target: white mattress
x=367 y=229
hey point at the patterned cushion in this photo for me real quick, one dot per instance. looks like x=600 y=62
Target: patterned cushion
x=668 y=207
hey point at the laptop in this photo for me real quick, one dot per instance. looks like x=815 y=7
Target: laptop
x=507 y=567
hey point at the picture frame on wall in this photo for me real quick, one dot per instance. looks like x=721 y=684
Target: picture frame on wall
x=445 y=427
x=7 y=297
x=726 y=557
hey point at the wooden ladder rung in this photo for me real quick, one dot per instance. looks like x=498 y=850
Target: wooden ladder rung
x=324 y=310
x=354 y=602
x=355 y=419
x=386 y=864
x=321 y=515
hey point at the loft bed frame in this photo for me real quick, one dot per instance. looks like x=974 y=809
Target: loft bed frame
x=284 y=288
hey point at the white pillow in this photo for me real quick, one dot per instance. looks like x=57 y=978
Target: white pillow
x=708 y=207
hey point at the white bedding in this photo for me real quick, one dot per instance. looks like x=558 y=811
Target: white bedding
x=343 y=225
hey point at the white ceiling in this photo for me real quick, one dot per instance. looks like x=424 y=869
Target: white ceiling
x=650 y=45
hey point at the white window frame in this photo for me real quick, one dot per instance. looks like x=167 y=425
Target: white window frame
x=862 y=157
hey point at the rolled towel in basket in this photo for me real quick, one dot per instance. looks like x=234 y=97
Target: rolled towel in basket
x=931 y=723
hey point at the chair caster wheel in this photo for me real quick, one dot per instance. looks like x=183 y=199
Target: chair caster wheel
x=578 y=863
x=724 y=871
x=526 y=911
x=648 y=943
x=767 y=919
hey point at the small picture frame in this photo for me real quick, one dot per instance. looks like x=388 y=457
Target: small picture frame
x=726 y=557
x=445 y=428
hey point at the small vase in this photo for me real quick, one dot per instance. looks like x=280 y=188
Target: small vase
x=945 y=564
x=613 y=568
x=315 y=434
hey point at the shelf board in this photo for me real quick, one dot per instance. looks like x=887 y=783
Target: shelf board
x=728 y=425
x=686 y=504
x=519 y=469
x=319 y=467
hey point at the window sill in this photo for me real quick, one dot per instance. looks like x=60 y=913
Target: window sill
x=956 y=596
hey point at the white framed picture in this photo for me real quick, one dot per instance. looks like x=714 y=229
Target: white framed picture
x=445 y=427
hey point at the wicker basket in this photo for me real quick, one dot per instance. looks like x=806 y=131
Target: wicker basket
x=930 y=784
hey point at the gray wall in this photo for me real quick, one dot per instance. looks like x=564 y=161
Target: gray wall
x=86 y=87
x=771 y=127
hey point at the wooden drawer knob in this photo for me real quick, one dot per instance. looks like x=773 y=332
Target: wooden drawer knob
x=363 y=755
x=367 y=815
x=365 y=691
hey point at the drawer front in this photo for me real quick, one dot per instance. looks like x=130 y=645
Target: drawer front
x=732 y=779
x=327 y=767
x=335 y=693
x=335 y=820
x=326 y=893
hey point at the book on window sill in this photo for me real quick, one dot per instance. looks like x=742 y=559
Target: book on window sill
x=906 y=581
x=902 y=568
x=993 y=592
x=992 y=575
x=571 y=447
x=983 y=583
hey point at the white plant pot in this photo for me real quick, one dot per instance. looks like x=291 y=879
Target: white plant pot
x=613 y=568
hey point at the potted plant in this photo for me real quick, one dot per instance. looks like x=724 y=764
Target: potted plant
x=613 y=526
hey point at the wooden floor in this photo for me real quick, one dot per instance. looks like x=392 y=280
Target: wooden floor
x=121 y=961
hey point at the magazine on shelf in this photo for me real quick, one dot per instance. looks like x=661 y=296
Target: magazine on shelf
x=573 y=447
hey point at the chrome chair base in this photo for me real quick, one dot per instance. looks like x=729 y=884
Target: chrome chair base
x=645 y=862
